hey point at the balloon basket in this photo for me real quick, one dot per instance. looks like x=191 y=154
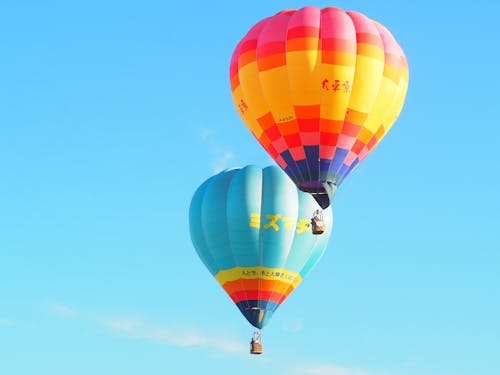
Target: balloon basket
x=256 y=348
x=317 y=222
x=318 y=227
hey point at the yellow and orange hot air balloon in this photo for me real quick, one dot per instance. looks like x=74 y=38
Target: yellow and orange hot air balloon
x=318 y=88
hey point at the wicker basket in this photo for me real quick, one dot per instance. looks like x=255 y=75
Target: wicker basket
x=318 y=226
x=256 y=348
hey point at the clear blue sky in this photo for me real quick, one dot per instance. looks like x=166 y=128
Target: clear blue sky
x=111 y=115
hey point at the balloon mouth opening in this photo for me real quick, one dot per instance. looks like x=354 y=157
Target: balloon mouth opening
x=322 y=191
x=257 y=312
x=258 y=317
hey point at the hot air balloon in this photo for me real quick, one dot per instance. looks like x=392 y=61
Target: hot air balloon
x=250 y=227
x=319 y=89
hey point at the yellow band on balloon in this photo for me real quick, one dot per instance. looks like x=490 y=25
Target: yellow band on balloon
x=261 y=272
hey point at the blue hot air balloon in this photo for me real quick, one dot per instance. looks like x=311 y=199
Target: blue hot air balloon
x=251 y=228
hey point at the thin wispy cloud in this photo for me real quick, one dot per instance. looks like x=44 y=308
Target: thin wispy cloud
x=222 y=160
x=135 y=328
x=186 y=338
x=63 y=310
x=221 y=156
x=6 y=322
x=139 y=329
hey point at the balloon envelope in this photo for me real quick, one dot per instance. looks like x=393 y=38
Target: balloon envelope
x=318 y=88
x=250 y=227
